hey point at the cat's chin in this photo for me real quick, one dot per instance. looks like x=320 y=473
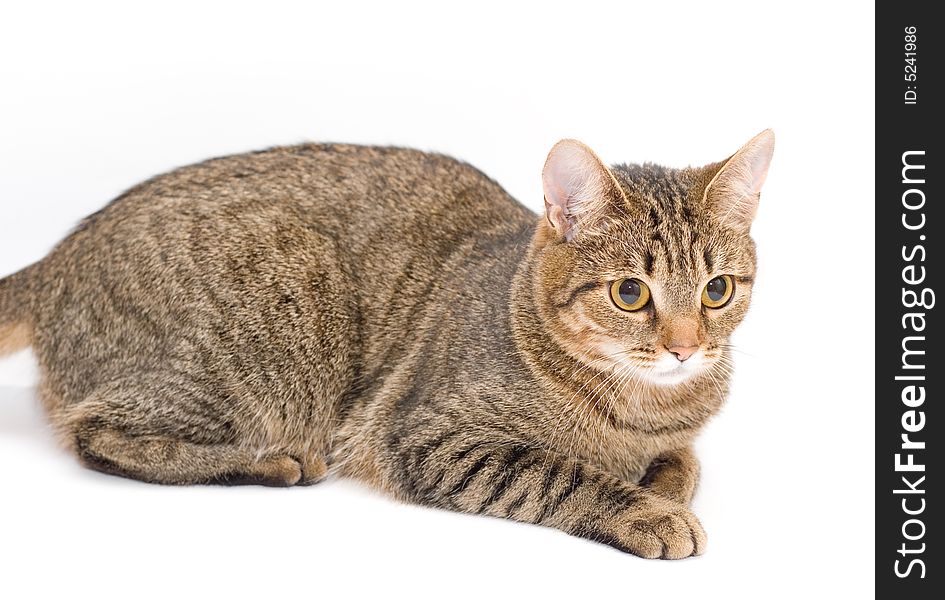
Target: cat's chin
x=670 y=378
x=668 y=371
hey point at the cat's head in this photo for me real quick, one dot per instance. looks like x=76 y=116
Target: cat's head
x=644 y=269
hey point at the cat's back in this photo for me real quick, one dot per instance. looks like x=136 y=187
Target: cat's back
x=342 y=190
x=376 y=206
x=210 y=259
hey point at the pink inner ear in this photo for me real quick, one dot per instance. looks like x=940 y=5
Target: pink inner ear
x=759 y=159
x=555 y=215
x=573 y=182
x=734 y=191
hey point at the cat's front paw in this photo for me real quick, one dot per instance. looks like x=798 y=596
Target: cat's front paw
x=673 y=476
x=652 y=527
x=669 y=488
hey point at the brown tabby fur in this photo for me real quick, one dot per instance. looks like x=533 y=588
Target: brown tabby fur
x=396 y=317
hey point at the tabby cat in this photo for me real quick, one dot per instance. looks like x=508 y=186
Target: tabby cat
x=396 y=317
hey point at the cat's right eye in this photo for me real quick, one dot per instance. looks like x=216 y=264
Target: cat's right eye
x=629 y=294
x=718 y=292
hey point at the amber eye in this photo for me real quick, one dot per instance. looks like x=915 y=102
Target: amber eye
x=718 y=291
x=629 y=294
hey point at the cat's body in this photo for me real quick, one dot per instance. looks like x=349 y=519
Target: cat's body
x=391 y=315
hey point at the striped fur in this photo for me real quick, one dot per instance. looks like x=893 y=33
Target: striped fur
x=395 y=317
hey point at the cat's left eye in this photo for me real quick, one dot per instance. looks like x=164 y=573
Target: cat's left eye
x=629 y=294
x=718 y=291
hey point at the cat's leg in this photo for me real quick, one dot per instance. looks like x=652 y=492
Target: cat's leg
x=172 y=441
x=516 y=481
x=163 y=459
x=673 y=475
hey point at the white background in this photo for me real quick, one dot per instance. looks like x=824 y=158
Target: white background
x=94 y=98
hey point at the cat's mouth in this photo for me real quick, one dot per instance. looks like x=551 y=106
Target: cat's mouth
x=661 y=369
x=667 y=370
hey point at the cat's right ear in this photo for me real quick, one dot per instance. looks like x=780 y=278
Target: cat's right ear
x=577 y=187
x=732 y=195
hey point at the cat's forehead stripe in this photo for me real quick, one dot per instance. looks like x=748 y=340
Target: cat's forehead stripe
x=674 y=239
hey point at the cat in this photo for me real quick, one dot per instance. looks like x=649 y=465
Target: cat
x=396 y=317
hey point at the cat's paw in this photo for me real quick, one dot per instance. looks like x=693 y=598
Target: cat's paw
x=667 y=531
x=280 y=470
x=652 y=527
x=673 y=476
x=670 y=489
x=276 y=471
x=314 y=469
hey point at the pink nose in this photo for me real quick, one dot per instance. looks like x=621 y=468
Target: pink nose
x=683 y=352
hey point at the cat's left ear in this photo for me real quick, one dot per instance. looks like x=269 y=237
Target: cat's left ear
x=732 y=195
x=578 y=188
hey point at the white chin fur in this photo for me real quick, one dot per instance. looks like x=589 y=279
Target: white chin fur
x=669 y=371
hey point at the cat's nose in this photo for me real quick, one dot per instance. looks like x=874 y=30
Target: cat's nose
x=683 y=352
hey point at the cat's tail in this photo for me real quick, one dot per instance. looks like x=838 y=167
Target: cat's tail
x=15 y=300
